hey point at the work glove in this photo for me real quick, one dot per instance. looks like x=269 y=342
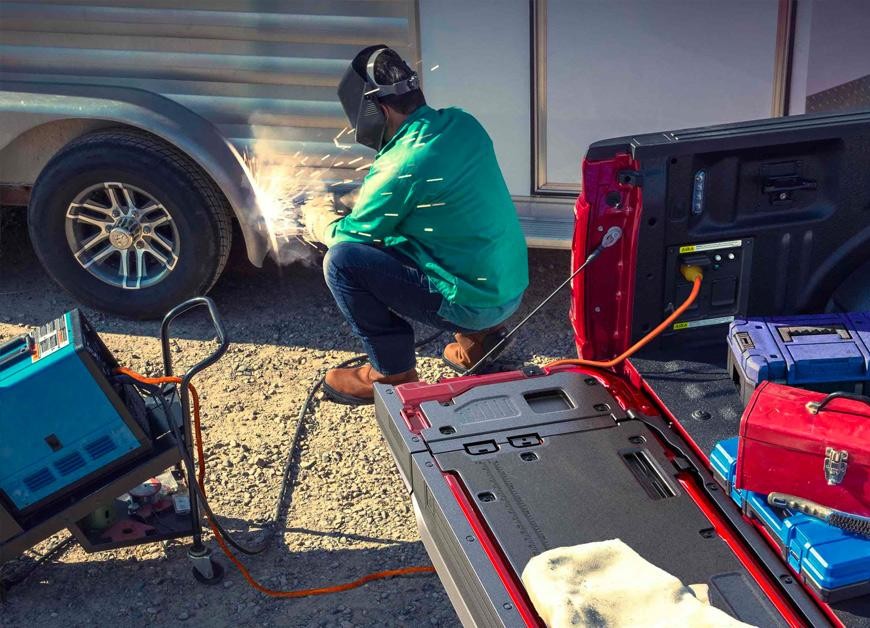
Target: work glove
x=317 y=215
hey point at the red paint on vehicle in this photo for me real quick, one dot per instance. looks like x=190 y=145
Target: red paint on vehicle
x=602 y=295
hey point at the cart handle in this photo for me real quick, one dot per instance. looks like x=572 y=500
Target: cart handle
x=817 y=406
x=178 y=310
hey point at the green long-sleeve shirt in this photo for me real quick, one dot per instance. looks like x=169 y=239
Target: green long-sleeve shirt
x=435 y=193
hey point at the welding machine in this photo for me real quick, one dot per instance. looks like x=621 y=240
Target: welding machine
x=62 y=419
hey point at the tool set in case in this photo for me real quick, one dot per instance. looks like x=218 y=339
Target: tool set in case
x=825 y=352
x=833 y=562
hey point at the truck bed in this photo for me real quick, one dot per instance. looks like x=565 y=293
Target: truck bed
x=693 y=383
x=503 y=467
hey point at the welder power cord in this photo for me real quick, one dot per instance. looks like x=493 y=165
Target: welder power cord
x=222 y=536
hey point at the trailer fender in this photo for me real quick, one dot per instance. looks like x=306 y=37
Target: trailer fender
x=25 y=107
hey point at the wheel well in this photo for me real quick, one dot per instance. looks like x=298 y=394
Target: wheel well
x=24 y=158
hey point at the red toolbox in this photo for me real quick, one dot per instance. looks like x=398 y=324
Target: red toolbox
x=808 y=444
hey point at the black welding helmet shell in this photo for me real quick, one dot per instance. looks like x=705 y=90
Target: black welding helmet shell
x=359 y=94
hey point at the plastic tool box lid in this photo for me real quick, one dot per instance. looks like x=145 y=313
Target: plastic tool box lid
x=805 y=349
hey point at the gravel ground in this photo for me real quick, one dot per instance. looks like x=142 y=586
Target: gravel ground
x=350 y=515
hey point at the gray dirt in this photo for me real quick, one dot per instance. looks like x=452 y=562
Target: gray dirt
x=350 y=514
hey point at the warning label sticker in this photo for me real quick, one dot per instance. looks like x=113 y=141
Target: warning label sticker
x=704 y=322
x=50 y=337
x=711 y=246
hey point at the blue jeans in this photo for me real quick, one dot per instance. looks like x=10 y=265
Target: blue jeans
x=373 y=287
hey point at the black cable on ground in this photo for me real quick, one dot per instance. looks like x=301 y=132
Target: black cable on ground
x=282 y=503
x=54 y=551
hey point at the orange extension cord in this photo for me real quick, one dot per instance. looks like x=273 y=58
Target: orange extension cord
x=691 y=273
x=337 y=588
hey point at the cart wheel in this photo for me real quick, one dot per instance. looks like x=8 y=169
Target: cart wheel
x=217 y=571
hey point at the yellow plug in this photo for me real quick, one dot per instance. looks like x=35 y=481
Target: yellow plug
x=691 y=272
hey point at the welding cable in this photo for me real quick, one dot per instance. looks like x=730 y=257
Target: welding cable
x=152 y=384
x=55 y=551
x=691 y=273
x=222 y=536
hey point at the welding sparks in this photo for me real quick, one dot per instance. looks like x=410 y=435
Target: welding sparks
x=434 y=67
x=429 y=229
x=386 y=193
x=337 y=164
x=434 y=180
x=364 y=166
x=422 y=205
x=325 y=157
x=339 y=144
x=353 y=161
x=403 y=176
x=481 y=278
x=372 y=91
x=392 y=215
x=438 y=204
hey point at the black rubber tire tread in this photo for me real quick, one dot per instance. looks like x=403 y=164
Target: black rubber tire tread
x=215 y=201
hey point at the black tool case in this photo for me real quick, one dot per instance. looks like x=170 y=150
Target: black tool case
x=503 y=467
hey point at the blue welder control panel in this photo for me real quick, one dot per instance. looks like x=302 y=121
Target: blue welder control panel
x=63 y=419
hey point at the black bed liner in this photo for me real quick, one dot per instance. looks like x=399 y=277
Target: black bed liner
x=692 y=381
x=551 y=461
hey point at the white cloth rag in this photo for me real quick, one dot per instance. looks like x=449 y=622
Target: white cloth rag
x=609 y=584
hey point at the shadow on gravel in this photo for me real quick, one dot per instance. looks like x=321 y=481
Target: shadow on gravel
x=284 y=306
x=276 y=569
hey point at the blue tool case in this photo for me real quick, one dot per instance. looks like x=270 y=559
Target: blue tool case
x=834 y=563
x=824 y=352
x=63 y=419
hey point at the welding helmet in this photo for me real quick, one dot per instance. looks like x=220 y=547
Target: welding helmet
x=359 y=94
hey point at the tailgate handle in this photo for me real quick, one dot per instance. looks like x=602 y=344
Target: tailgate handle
x=788 y=183
x=482 y=447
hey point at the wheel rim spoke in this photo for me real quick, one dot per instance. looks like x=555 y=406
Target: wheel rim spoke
x=157 y=222
x=100 y=237
x=99 y=257
x=128 y=198
x=156 y=237
x=92 y=206
x=112 y=192
x=167 y=261
x=141 y=269
x=89 y=220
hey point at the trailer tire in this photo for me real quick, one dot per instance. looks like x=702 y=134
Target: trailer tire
x=129 y=224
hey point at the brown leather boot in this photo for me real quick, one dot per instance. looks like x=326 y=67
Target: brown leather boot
x=470 y=348
x=355 y=386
